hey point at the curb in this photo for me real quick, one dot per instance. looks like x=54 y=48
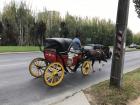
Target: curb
x=19 y=52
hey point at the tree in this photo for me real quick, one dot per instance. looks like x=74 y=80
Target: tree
x=71 y=25
x=40 y=31
x=1 y=27
x=136 y=38
x=129 y=37
x=20 y=19
x=63 y=30
x=0 y=16
x=9 y=36
x=25 y=21
x=137 y=6
x=1 y=30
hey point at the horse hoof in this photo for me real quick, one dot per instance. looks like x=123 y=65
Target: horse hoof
x=93 y=70
x=100 y=69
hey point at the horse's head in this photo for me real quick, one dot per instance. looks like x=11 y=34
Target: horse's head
x=107 y=51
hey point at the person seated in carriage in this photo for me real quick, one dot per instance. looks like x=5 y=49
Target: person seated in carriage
x=76 y=43
x=75 y=46
x=74 y=50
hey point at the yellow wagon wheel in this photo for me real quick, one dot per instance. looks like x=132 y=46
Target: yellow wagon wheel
x=37 y=67
x=86 y=66
x=54 y=74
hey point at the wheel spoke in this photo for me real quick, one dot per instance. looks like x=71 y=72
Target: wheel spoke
x=49 y=75
x=48 y=79
x=85 y=65
x=52 y=80
x=41 y=71
x=38 y=72
x=57 y=78
x=37 y=63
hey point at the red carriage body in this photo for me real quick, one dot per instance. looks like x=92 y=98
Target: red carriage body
x=52 y=56
x=56 y=50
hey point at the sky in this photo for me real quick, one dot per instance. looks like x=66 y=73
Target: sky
x=103 y=9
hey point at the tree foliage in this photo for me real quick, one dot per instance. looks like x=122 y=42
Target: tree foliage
x=1 y=27
x=129 y=37
x=136 y=38
x=63 y=30
x=21 y=27
x=137 y=6
x=52 y=20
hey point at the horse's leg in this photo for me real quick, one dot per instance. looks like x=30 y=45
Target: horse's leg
x=100 y=64
x=103 y=58
x=92 y=65
x=104 y=61
x=103 y=64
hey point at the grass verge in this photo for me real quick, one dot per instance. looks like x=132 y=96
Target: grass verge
x=132 y=49
x=102 y=94
x=18 y=48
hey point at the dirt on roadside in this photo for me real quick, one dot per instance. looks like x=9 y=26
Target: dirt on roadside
x=92 y=100
x=135 y=102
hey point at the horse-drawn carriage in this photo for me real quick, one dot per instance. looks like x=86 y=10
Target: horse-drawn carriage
x=58 y=61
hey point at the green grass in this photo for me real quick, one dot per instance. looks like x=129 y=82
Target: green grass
x=132 y=49
x=18 y=48
x=102 y=94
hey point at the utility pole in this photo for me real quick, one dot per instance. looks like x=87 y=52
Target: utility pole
x=119 y=45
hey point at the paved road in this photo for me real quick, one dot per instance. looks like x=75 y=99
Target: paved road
x=17 y=87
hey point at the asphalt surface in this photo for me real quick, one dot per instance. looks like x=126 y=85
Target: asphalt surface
x=18 y=87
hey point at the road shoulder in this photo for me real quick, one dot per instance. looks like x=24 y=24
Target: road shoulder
x=76 y=99
x=19 y=52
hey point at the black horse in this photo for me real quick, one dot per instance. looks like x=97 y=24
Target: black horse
x=97 y=55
